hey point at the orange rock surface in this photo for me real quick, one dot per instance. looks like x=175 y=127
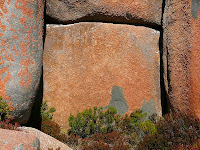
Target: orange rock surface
x=182 y=55
x=46 y=141
x=11 y=139
x=131 y=11
x=82 y=62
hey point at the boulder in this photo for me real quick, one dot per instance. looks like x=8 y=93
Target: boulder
x=126 y=11
x=18 y=140
x=182 y=55
x=46 y=141
x=21 y=48
x=101 y=64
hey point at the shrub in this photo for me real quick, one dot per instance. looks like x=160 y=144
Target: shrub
x=94 y=145
x=110 y=128
x=93 y=121
x=5 y=113
x=50 y=127
x=173 y=132
x=7 y=125
x=5 y=110
x=136 y=126
x=47 y=112
x=112 y=141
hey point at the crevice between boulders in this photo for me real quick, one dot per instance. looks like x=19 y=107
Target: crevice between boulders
x=164 y=103
x=107 y=19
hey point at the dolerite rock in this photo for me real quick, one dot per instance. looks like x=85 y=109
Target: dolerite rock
x=46 y=141
x=18 y=140
x=182 y=55
x=21 y=48
x=129 y=11
x=99 y=64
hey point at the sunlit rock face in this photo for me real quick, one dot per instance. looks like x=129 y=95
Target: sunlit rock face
x=100 y=64
x=182 y=55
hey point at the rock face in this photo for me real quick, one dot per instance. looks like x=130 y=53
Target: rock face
x=182 y=55
x=18 y=140
x=46 y=141
x=129 y=11
x=21 y=48
x=99 y=64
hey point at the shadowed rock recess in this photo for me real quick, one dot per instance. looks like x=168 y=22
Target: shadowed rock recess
x=84 y=61
x=125 y=11
x=182 y=55
x=21 y=48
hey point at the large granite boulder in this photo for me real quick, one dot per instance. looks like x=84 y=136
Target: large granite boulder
x=99 y=64
x=182 y=55
x=18 y=140
x=127 y=11
x=21 y=48
x=46 y=141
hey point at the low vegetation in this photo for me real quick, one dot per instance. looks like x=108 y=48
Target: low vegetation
x=98 y=129
x=5 y=116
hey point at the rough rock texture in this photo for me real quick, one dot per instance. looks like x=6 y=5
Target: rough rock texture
x=129 y=11
x=182 y=54
x=21 y=48
x=90 y=64
x=46 y=141
x=18 y=140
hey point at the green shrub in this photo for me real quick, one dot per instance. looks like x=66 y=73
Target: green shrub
x=5 y=110
x=136 y=126
x=102 y=126
x=93 y=121
x=47 y=112
x=5 y=116
x=49 y=126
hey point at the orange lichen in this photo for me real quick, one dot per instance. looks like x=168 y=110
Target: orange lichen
x=3 y=27
x=3 y=8
x=15 y=50
x=22 y=20
x=3 y=82
x=25 y=74
x=22 y=5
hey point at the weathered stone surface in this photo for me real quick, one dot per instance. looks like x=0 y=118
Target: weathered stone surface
x=18 y=140
x=129 y=11
x=46 y=141
x=182 y=55
x=21 y=48
x=90 y=64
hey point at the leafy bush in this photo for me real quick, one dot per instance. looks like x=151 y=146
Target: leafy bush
x=93 y=121
x=108 y=127
x=178 y=131
x=136 y=126
x=5 y=110
x=50 y=127
x=47 y=112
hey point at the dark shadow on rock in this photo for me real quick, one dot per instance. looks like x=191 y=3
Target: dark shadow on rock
x=97 y=17
x=35 y=117
x=149 y=107
x=195 y=8
x=118 y=100
x=164 y=101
